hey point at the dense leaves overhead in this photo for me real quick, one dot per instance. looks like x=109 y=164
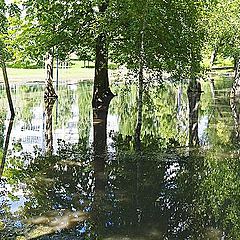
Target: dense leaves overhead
x=223 y=25
x=170 y=31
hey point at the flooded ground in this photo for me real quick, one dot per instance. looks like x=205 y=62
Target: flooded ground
x=71 y=173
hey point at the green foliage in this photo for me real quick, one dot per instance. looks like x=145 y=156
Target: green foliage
x=167 y=36
x=223 y=24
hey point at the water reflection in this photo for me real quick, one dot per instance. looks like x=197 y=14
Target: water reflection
x=49 y=103
x=6 y=144
x=105 y=190
x=194 y=95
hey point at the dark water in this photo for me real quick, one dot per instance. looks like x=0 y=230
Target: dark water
x=71 y=173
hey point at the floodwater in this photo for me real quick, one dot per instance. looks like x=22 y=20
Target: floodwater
x=70 y=173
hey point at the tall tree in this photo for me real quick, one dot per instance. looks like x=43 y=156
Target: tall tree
x=156 y=37
x=4 y=52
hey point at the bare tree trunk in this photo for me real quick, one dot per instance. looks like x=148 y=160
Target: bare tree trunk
x=236 y=84
x=102 y=94
x=49 y=90
x=8 y=91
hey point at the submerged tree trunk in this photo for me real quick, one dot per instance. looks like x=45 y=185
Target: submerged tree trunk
x=49 y=89
x=194 y=95
x=49 y=103
x=102 y=94
x=8 y=91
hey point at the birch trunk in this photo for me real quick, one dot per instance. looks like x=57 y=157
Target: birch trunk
x=236 y=84
x=49 y=89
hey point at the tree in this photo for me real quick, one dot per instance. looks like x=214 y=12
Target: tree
x=4 y=52
x=157 y=36
x=223 y=34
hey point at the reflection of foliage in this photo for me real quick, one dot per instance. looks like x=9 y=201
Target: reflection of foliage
x=220 y=195
x=66 y=98
x=84 y=93
x=218 y=112
x=26 y=99
x=159 y=113
x=176 y=195
x=53 y=183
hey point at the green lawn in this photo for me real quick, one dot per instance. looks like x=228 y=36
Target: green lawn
x=75 y=72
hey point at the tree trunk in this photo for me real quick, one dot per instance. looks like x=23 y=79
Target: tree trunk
x=194 y=95
x=49 y=103
x=49 y=89
x=235 y=91
x=102 y=94
x=213 y=57
x=8 y=91
x=236 y=84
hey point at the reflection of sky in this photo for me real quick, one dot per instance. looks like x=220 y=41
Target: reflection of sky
x=14 y=204
x=202 y=126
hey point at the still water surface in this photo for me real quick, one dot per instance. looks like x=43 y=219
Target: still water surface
x=74 y=174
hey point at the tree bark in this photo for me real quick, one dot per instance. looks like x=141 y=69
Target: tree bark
x=49 y=89
x=102 y=94
x=8 y=91
x=194 y=95
x=236 y=84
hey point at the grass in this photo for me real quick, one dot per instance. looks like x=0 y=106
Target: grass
x=74 y=73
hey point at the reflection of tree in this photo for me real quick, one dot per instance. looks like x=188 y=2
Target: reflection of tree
x=49 y=102
x=194 y=94
x=6 y=143
x=99 y=161
x=159 y=109
x=234 y=103
x=84 y=93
